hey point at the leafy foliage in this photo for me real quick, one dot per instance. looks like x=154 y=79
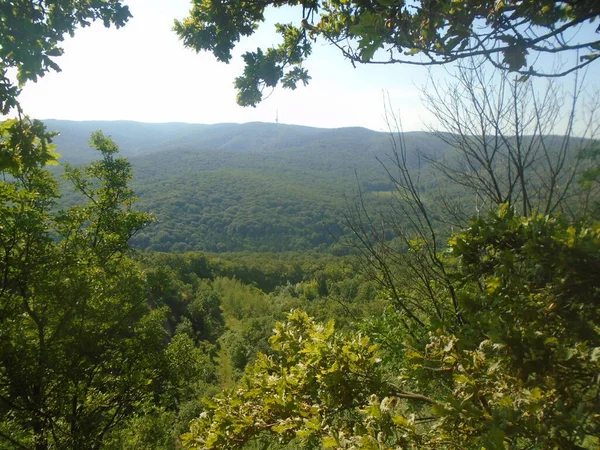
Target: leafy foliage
x=523 y=366
x=78 y=345
x=388 y=32
x=311 y=378
x=590 y=179
x=30 y=34
x=520 y=372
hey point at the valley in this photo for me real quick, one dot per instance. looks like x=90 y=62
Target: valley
x=246 y=187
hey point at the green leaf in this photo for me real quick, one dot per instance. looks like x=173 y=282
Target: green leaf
x=330 y=442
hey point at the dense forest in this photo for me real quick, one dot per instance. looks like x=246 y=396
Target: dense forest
x=252 y=187
x=406 y=308
x=268 y=286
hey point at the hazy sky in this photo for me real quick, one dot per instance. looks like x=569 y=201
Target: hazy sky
x=142 y=72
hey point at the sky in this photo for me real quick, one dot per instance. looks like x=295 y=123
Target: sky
x=142 y=72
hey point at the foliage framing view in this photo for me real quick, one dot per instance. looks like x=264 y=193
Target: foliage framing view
x=392 y=32
x=32 y=31
x=491 y=342
x=79 y=344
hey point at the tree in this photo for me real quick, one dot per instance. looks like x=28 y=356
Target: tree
x=388 y=32
x=513 y=142
x=79 y=348
x=30 y=34
x=379 y=32
x=530 y=346
x=509 y=142
x=590 y=180
x=308 y=385
x=520 y=372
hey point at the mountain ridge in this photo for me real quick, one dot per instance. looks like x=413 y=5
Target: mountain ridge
x=138 y=138
x=232 y=187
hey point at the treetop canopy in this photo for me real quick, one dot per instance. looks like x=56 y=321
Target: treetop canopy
x=419 y=32
x=30 y=33
x=509 y=33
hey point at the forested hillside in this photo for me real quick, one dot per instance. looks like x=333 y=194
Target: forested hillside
x=257 y=186
x=276 y=287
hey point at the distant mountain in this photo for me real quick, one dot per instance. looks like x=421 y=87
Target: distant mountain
x=136 y=138
x=253 y=186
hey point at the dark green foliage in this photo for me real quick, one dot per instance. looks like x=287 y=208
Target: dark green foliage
x=78 y=345
x=205 y=314
x=520 y=371
x=305 y=387
x=389 y=32
x=527 y=355
x=590 y=179
x=266 y=187
x=31 y=32
x=229 y=210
